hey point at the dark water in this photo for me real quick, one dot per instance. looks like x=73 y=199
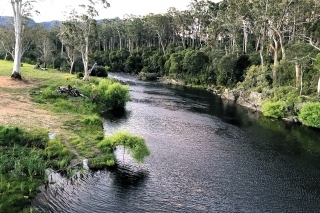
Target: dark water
x=208 y=155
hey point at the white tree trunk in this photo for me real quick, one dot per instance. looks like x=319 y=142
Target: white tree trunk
x=85 y=59
x=297 y=74
x=17 y=9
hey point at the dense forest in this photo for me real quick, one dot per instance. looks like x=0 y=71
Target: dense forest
x=266 y=46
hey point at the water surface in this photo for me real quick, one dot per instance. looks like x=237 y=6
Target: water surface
x=207 y=155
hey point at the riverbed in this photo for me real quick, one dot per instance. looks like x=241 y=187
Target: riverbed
x=207 y=155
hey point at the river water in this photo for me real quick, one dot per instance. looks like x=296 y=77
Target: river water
x=207 y=155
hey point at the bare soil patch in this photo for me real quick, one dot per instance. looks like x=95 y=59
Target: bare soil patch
x=17 y=109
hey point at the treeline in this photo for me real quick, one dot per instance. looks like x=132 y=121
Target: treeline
x=256 y=45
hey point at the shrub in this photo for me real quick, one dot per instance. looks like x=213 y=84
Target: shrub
x=111 y=94
x=274 y=109
x=99 y=71
x=117 y=96
x=310 y=114
x=80 y=75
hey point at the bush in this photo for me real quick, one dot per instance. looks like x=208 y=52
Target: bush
x=80 y=75
x=113 y=95
x=99 y=71
x=310 y=114
x=117 y=96
x=274 y=109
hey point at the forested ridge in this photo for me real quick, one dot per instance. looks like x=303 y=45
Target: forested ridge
x=270 y=47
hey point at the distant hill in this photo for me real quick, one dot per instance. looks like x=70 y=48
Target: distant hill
x=7 y=21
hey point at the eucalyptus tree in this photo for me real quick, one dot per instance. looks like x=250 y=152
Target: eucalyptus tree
x=68 y=35
x=311 y=23
x=85 y=29
x=57 y=44
x=44 y=44
x=159 y=24
x=20 y=8
x=200 y=13
x=107 y=35
x=181 y=21
x=133 y=29
x=7 y=41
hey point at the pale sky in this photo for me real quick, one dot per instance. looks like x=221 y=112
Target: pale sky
x=55 y=9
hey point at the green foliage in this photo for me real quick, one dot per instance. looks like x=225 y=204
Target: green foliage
x=134 y=144
x=58 y=153
x=173 y=66
x=133 y=63
x=286 y=73
x=117 y=96
x=316 y=63
x=194 y=61
x=11 y=136
x=310 y=114
x=154 y=63
x=99 y=71
x=288 y=94
x=226 y=67
x=92 y=120
x=102 y=162
x=22 y=166
x=49 y=93
x=111 y=94
x=256 y=78
x=274 y=109
x=117 y=59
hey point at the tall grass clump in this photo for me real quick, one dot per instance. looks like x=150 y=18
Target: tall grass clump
x=135 y=145
x=58 y=154
x=35 y=138
x=22 y=166
x=310 y=114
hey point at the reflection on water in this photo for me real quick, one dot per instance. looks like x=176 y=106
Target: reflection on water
x=207 y=155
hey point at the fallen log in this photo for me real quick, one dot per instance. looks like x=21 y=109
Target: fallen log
x=70 y=91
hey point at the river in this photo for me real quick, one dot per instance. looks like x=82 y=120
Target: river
x=207 y=155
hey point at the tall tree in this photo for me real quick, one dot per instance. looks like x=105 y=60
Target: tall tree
x=20 y=8
x=86 y=28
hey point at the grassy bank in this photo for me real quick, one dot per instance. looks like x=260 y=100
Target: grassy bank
x=34 y=110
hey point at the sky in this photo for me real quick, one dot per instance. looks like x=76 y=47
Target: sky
x=56 y=9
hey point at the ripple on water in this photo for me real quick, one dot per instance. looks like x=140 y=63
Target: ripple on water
x=203 y=159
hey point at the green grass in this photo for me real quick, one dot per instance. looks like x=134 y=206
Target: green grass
x=25 y=155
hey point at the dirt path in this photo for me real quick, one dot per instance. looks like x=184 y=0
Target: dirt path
x=16 y=109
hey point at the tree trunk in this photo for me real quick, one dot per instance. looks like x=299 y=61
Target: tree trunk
x=297 y=74
x=85 y=59
x=17 y=30
x=161 y=43
x=71 y=67
x=245 y=39
x=301 y=83
x=275 y=58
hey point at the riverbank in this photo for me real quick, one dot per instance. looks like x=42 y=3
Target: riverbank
x=250 y=100
x=53 y=129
